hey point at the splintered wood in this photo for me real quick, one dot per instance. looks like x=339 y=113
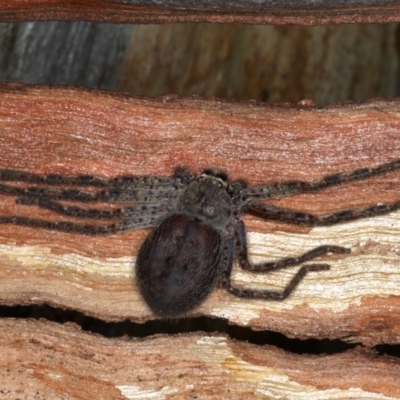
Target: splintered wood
x=53 y=361
x=68 y=131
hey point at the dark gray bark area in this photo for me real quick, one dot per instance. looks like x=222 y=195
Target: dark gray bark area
x=63 y=53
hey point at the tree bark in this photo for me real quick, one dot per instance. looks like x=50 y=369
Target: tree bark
x=54 y=361
x=69 y=131
x=283 y=12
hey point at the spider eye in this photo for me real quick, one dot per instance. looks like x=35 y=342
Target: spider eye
x=208 y=172
x=222 y=176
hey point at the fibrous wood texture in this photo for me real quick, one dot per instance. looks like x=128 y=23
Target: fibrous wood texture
x=231 y=61
x=259 y=62
x=70 y=131
x=305 y=12
x=51 y=361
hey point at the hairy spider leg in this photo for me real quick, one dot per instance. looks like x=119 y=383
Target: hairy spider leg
x=133 y=212
x=13 y=175
x=120 y=189
x=62 y=226
x=275 y=294
x=289 y=216
x=59 y=194
x=286 y=189
x=133 y=217
x=86 y=229
x=118 y=194
x=242 y=254
x=262 y=294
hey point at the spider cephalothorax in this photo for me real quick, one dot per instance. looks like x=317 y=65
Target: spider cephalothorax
x=197 y=232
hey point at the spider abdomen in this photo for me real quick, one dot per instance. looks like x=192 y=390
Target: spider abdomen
x=177 y=265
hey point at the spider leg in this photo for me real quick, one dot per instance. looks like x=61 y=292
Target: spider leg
x=59 y=194
x=118 y=194
x=143 y=189
x=62 y=226
x=285 y=189
x=242 y=254
x=132 y=213
x=119 y=189
x=262 y=294
x=268 y=211
x=274 y=294
x=72 y=211
x=152 y=195
x=184 y=175
x=13 y=175
x=135 y=217
x=85 y=229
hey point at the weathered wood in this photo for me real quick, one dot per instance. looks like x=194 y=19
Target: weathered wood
x=306 y=12
x=58 y=53
x=259 y=62
x=229 y=61
x=72 y=131
x=41 y=359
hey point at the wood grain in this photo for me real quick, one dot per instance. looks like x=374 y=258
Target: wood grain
x=70 y=131
x=53 y=361
x=281 y=12
x=270 y=63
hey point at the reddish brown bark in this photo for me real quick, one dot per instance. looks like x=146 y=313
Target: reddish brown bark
x=52 y=361
x=71 y=131
x=286 y=12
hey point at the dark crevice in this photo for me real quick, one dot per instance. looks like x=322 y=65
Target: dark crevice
x=187 y=325
x=176 y=326
x=388 y=350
